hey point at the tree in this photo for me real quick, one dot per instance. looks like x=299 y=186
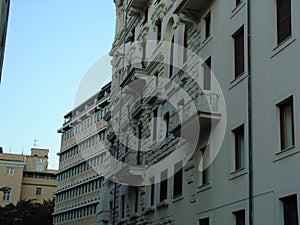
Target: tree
x=27 y=212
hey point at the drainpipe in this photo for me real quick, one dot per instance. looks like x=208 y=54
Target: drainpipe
x=250 y=137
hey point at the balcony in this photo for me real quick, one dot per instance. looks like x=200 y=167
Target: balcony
x=207 y=110
x=192 y=9
x=124 y=173
x=110 y=134
x=137 y=5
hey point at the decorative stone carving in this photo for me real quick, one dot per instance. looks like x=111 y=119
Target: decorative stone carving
x=143 y=36
x=133 y=54
x=159 y=12
x=183 y=18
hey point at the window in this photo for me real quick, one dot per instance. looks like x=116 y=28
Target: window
x=6 y=195
x=185 y=44
x=171 y=58
x=290 y=210
x=205 y=168
x=207 y=74
x=207 y=20
x=177 y=185
x=126 y=144
x=163 y=185
x=123 y=206
x=38 y=191
x=144 y=53
x=239 y=58
x=40 y=164
x=155 y=114
x=287 y=138
x=139 y=161
x=10 y=171
x=239 y=147
x=158 y=26
x=152 y=191
x=167 y=121
x=204 y=221
x=239 y=217
x=136 y=200
x=284 y=24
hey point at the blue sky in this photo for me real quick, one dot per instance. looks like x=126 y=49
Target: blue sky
x=50 y=47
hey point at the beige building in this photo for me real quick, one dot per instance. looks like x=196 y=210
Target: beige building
x=4 y=11
x=83 y=151
x=26 y=177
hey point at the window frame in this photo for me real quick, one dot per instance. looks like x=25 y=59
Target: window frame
x=205 y=176
x=239 y=55
x=152 y=191
x=207 y=74
x=239 y=153
x=282 y=106
x=178 y=180
x=281 y=20
x=204 y=221
x=122 y=208
x=6 y=195
x=237 y=218
x=10 y=171
x=285 y=207
x=207 y=24
x=163 y=192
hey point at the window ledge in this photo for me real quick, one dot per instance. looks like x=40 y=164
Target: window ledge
x=237 y=80
x=122 y=221
x=134 y=216
x=178 y=198
x=237 y=9
x=162 y=204
x=286 y=153
x=149 y=210
x=204 y=187
x=238 y=173
x=278 y=48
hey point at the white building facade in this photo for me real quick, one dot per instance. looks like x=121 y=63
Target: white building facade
x=251 y=48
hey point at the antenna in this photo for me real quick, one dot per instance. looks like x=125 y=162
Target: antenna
x=35 y=141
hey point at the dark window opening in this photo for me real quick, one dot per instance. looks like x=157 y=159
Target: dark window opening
x=287 y=136
x=290 y=210
x=239 y=51
x=207 y=20
x=239 y=217
x=164 y=185
x=177 y=185
x=284 y=20
x=239 y=148
x=207 y=74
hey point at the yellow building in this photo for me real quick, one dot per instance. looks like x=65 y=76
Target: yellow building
x=26 y=177
x=80 y=175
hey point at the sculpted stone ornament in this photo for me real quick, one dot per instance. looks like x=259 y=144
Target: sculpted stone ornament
x=159 y=12
x=143 y=36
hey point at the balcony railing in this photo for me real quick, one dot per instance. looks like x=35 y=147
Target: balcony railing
x=205 y=107
x=123 y=172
